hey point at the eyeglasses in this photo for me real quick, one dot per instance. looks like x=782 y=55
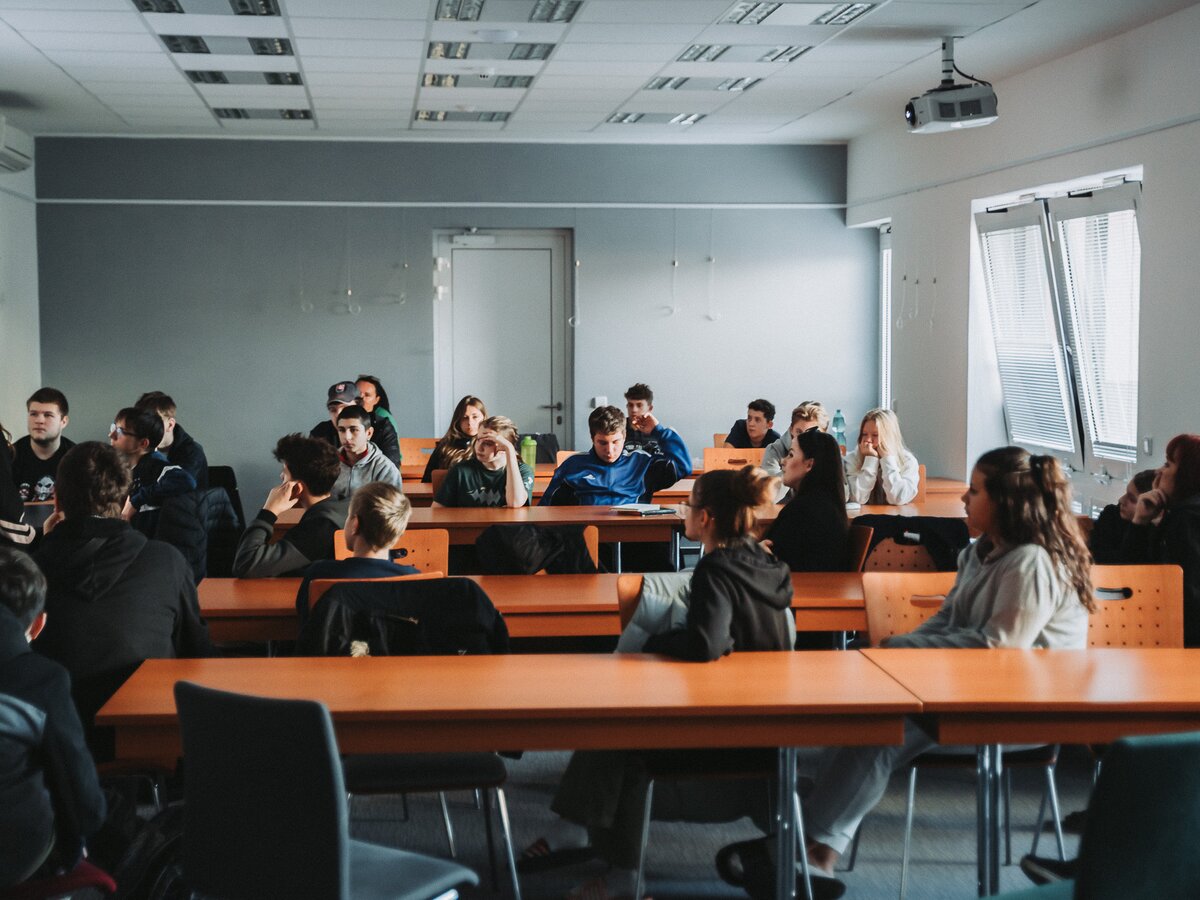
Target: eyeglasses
x=115 y=430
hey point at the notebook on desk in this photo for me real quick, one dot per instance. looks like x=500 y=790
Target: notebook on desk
x=644 y=509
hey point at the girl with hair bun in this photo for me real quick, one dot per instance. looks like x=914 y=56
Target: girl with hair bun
x=880 y=469
x=741 y=595
x=1166 y=525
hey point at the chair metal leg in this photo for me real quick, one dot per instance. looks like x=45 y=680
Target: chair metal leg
x=449 y=827
x=502 y=804
x=1008 y=817
x=1037 y=826
x=640 y=883
x=491 y=841
x=854 y=847
x=1052 y=793
x=908 y=821
x=478 y=798
x=802 y=847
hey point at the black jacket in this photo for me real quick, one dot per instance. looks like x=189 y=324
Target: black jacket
x=809 y=534
x=741 y=600
x=384 y=437
x=414 y=618
x=1108 y=536
x=114 y=599
x=48 y=781
x=12 y=531
x=438 y=458
x=944 y=538
x=1176 y=539
x=187 y=453
x=307 y=541
x=527 y=549
x=186 y=521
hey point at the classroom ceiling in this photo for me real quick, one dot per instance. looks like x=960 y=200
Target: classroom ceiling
x=639 y=71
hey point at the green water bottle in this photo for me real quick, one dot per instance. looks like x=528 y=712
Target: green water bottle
x=529 y=451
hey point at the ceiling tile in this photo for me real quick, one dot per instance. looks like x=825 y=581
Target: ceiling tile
x=472 y=66
x=70 y=58
x=42 y=19
x=359 y=29
x=365 y=66
x=308 y=48
x=217 y=26
x=278 y=96
x=528 y=32
x=641 y=34
x=574 y=52
x=599 y=69
x=358 y=9
x=114 y=42
x=230 y=62
x=624 y=12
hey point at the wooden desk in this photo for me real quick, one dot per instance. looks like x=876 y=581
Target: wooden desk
x=937 y=485
x=264 y=609
x=420 y=494
x=989 y=697
x=546 y=702
x=413 y=472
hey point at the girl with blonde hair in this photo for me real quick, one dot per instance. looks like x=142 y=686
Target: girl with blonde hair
x=880 y=469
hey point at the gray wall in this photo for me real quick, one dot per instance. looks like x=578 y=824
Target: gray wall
x=20 y=349
x=234 y=308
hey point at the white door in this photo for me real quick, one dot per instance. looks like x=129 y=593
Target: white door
x=501 y=327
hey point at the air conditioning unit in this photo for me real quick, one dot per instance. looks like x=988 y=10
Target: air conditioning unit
x=16 y=148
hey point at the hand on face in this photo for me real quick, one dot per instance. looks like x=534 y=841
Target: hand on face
x=1150 y=507
x=283 y=496
x=645 y=424
x=503 y=444
x=867 y=447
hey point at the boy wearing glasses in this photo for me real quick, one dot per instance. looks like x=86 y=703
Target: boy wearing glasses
x=135 y=434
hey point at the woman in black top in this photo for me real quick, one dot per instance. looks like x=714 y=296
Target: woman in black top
x=455 y=445
x=810 y=532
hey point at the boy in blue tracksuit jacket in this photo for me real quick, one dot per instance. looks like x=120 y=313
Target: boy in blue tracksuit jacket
x=606 y=476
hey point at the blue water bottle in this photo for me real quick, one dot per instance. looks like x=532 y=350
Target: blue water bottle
x=839 y=430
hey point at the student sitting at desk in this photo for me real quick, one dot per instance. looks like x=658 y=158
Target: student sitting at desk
x=756 y=430
x=1111 y=530
x=740 y=600
x=1025 y=583
x=374 y=399
x=455 y=445
x=606 y=476
x=362 y=462
x=180 y=448
x=805 y=417
x=136 y=434
x=809 y=534
x=37 y=455
x=494 y=476
x=881 y=469
x=12 y=529
x=310 y=467
x=341 y=395
x=51 y=796
x=378 y=515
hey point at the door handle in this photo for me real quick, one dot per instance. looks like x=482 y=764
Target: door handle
x=556 y=406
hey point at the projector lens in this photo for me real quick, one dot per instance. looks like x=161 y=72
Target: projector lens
x=910 y=114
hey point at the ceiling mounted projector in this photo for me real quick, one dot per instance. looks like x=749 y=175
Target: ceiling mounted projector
x=951 y=106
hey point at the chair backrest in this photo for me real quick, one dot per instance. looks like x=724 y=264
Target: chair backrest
x=629 y=594
x=897 y=602
x=891 y=556
x=591 y=540
x=264 y=801
x=225 y=477
x=727 y=458
x=719 y=438
x=858 y=545
x=561 y=455
x=1147 y=802
x=920 y=498
x=415 y=451
x=1137 y=606
x=428 y=549
x=436 y=477
x=318 y=586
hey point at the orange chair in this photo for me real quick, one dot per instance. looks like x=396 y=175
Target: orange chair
x=719 y=438
x=629 y=594
x=858 y=546
x=726 y=458
x=561 y=455
x=1137 y=606
x=920 y=498
x=414 y=451
x=318 y=586
x=890 y=556
x=437 y=476
x=428 y=548
x=591 y=540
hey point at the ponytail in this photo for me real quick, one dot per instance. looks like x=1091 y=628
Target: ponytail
x=731 y=498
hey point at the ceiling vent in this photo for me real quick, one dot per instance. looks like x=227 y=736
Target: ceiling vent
x=227 y=46
x=552 y=11
x=229 y=112
x=211 y=7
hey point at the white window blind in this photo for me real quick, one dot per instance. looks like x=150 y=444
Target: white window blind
x=885 y=317
x=1100 y=263
x=1038 y=402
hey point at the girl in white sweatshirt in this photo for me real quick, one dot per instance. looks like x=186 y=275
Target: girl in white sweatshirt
x=880 y=469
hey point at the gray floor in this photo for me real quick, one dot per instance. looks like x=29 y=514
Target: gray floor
x=680 y=861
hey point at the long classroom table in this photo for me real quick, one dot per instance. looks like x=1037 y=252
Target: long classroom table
x=549 y=702
x=264 y=609
x=993 y=697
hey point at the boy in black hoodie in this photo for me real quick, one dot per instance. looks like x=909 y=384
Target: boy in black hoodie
x=50 y=798
x=115 y=597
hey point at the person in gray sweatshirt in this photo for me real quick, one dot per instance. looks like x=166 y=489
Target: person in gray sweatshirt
x=362 y=461
x=1022 y=584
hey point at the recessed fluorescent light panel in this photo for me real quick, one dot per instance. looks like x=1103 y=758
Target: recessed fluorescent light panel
x=474 y=81
x=682 y=83
x=554 y=11
x=256 y=78
x=227 y=46
x=800 y=13
x=443 y=115
x=211 y=7
x=228 y=112
x=742 y=53
x=482 y=50
x=635 y=118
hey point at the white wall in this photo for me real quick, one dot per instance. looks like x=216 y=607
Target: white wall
x=1133 y=99
x=20 y=349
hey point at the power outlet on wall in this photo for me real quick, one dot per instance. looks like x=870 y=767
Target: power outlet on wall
x=598 y=402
